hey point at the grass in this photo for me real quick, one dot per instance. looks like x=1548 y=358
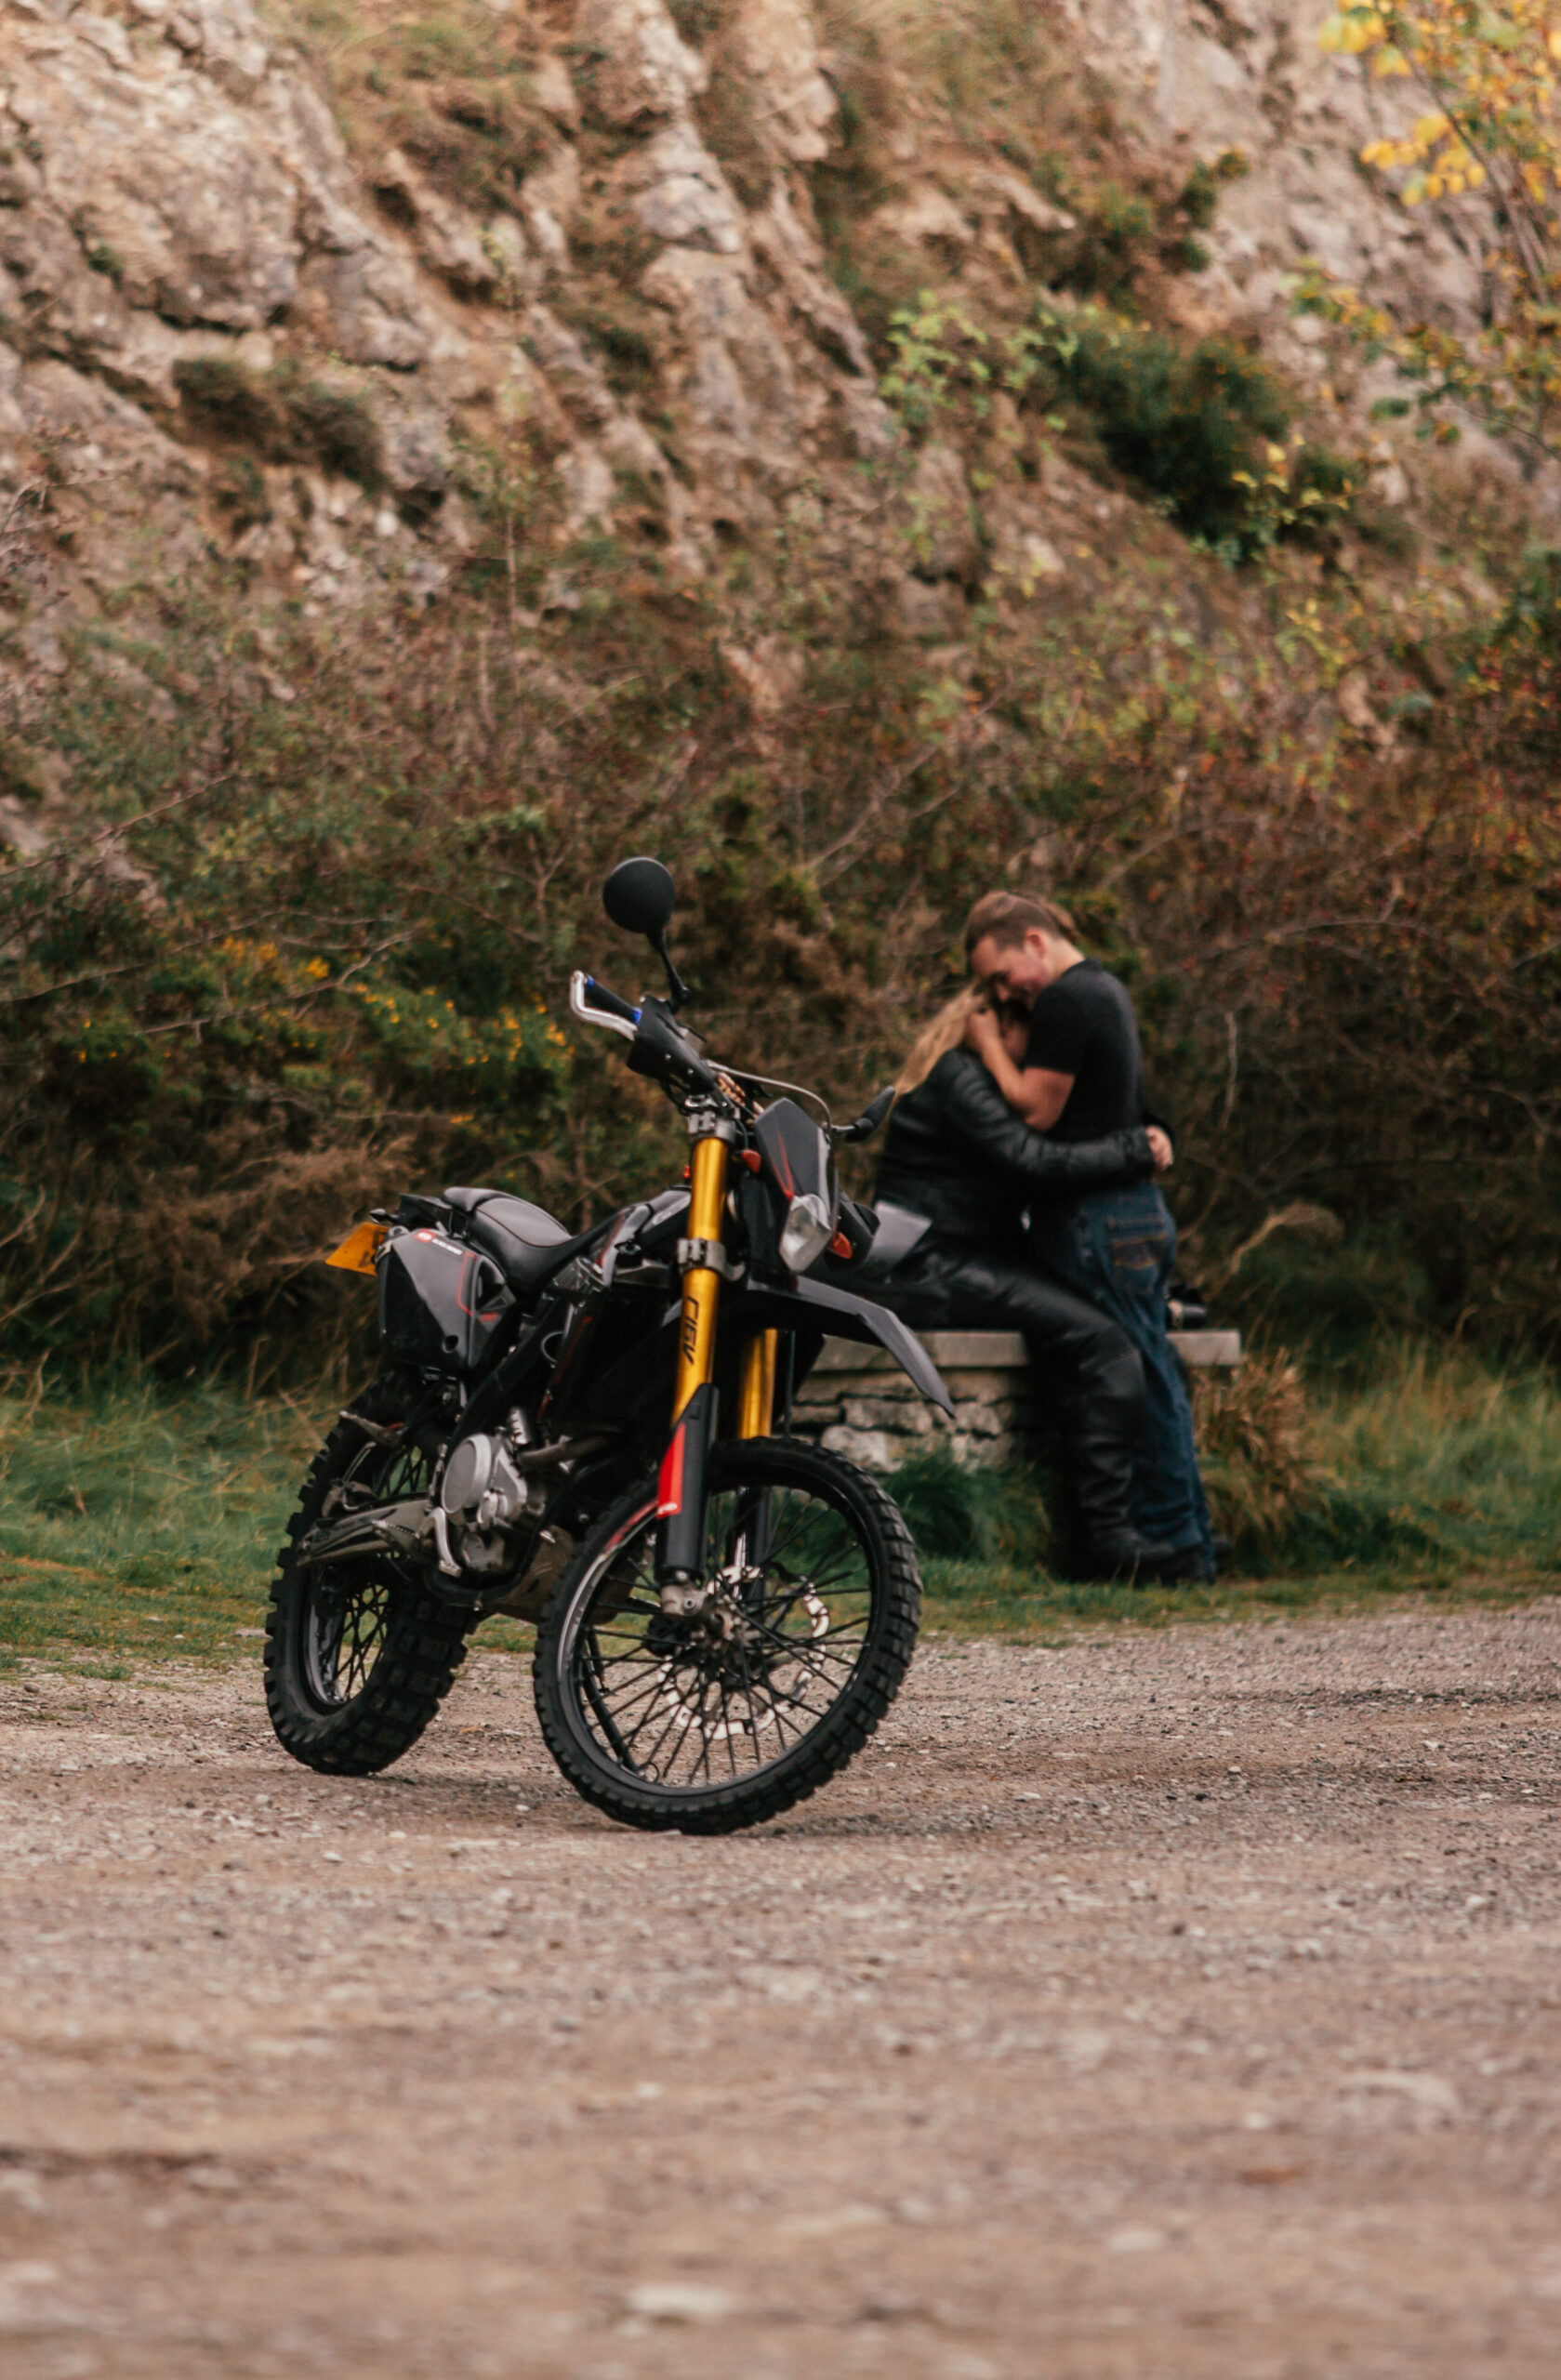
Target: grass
x=972 y=1599
x=447 y=83
x=135 y=1524
x=1439 y=1476
x=139 y=1524
x=1440 y=1462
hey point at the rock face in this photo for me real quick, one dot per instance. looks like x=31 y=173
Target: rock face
x=1213 y=75
x=175 y=179
x=175 y=193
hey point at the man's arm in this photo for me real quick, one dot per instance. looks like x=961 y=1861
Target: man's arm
x=1034 y=1092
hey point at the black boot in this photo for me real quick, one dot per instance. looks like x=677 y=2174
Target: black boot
x=1098 y=1447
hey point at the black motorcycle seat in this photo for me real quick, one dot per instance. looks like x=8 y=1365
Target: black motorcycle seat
x=464 y=1200
x=526 y=1240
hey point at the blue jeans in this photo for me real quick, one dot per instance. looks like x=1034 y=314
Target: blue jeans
x=1118 y=1247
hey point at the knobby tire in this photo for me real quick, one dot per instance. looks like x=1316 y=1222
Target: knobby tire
x=566 y=1693
x=422 y=1645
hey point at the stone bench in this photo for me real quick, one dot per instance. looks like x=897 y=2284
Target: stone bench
x=857 y=1400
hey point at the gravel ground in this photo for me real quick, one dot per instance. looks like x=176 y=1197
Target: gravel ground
x=1168 y=2004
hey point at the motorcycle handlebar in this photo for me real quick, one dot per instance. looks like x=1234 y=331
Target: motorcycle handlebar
x=594 y=1004
x=660 y=1047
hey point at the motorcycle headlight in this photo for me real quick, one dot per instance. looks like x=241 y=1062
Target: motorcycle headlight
x=806 y=1233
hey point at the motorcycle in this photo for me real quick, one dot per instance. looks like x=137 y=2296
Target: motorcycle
x=591 y=1431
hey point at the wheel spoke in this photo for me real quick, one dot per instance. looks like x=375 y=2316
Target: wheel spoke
x=346 y=1612
x=598 y=1704
x=686 y=1705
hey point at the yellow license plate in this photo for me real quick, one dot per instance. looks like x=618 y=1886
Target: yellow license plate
x=359 y=1250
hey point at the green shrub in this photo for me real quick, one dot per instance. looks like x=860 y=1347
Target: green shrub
x=1531 y=615
x=1337 y=1300
x=238 y=489
x=1262 y=1480
x=958 y=1515
x=727 y=117
x=1196 y=427
x=1335 y=482
x=334 y=426
x=199 y=1091
x=623 y=332
x=476 y=140
x=698 y=21
x=1180 y=423
x=22 y=773
x=1198 y=198
x=229 y=400
x=1118 y=232
x=284 y=417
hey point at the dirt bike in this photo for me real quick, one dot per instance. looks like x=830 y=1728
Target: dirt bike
x=591 y=1431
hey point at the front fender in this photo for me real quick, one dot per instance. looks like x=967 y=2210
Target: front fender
x=816 y=1306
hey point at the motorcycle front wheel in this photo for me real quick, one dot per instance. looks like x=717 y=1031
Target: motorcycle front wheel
x=717 y=1721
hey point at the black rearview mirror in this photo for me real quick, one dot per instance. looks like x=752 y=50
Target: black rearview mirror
x=640 y=895
x=866 y=1124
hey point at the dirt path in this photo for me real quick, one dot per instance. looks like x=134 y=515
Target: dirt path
x=1179 y=2004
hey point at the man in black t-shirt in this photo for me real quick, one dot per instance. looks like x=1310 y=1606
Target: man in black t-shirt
x=1083 y=1072
x=1083 y=1076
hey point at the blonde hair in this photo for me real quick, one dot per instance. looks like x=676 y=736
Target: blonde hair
x=945 y=1033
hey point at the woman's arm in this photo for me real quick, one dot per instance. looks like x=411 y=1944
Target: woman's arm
x=975 y=1109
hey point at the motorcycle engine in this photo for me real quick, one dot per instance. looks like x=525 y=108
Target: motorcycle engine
x=485 y=1494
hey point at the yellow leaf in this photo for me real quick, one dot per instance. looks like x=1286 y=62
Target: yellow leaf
x=1475 y=177
x=1351 y=31
x=1429 y=129
x=1389 y=61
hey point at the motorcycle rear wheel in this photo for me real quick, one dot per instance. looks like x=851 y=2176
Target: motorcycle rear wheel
x=359 y=1655
x=714 y=1725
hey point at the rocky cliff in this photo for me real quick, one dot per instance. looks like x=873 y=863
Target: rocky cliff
x=194 y=263
x=197 y=266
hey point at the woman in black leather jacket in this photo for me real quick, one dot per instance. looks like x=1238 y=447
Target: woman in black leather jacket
x=957 y=1153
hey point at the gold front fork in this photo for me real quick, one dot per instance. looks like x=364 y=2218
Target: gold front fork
x=707 y=1208
x=756 y=1407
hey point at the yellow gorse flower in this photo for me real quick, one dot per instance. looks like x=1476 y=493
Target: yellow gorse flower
x=1489 y=124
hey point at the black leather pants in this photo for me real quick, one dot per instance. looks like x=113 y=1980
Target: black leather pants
x=952 y=1285
x=1079 y=1352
